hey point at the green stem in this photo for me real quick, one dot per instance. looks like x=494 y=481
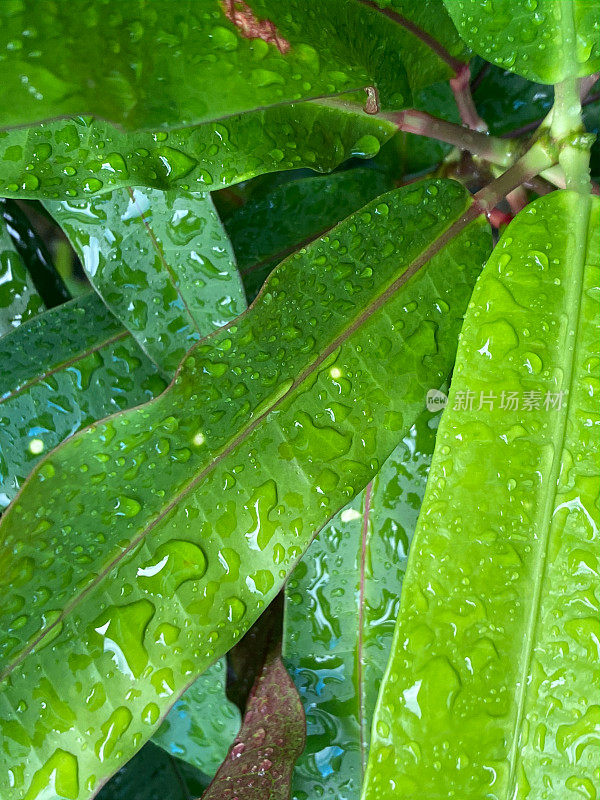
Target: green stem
x=539 y=158
x=566 y=129
x=498 y=151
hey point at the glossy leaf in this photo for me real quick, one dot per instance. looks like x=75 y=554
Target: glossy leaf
x=542 y=41
x=268 y=228
x=203 y=723
x=206 y=60
x=487 y=692
x=153 y=775
x=182 y=527
x=32 y=249
x=19 y=299
x=61 y=371
x=416 y=44
x=342 y=603
x=260 y=762
x=162 y=263
x=75 y=158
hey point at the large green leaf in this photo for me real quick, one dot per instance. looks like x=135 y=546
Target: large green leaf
x=342 y=603
x=260 y=762
x=544 y=41
x=67 y=159
x=272 y=225
x=19 y=299
x=488 y=691
x=60 y=371
x=178 y=521
x=203 y=723
x=178 y=65
x=162 y=263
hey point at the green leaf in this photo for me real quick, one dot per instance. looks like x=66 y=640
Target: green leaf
x=61 y=371
x=341 y=605
x=161 y=262
x=170 y=68
x=32 y=250
x=260 y=762
x=429 y=22
x=545 y=41
x=67 y=159
x=269 y=227
x=406 y=48
x=203 y=723
x=487 y=692
x=19 y=299
x=181 y=524
x=153 y=775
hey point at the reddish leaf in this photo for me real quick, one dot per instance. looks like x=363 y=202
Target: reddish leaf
x=260 y=762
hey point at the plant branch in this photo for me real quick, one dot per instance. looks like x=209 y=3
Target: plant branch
x=421 y=123
x=461 y=88
x=585 y=86
x=460 y=83
x=539 y=158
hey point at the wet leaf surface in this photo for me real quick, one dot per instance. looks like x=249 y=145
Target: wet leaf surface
x=202 y=63
x=142 y=551
x=202 y=724
x=544 y=41
x=162 y=263
x=59 y=372
x=76 y=158
x=341 y=606
x=496 y=645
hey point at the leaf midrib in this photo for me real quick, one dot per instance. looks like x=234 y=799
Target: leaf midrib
x=64 y=365
x=161 y=255
x=430 y=41
x=582 y=217
x=472 y=211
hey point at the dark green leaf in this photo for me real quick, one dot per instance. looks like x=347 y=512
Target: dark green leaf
x=342 y=603
x=74 y=158
x=404 y=49
x=542 y=40
x=487 y=693
x=267 y=229
x=153 y=775
x=203 y=723
x=260 y=762
x=62 y=370
x=195 y=506
x=508 y=102
x=178 y=65
x=161 y=262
